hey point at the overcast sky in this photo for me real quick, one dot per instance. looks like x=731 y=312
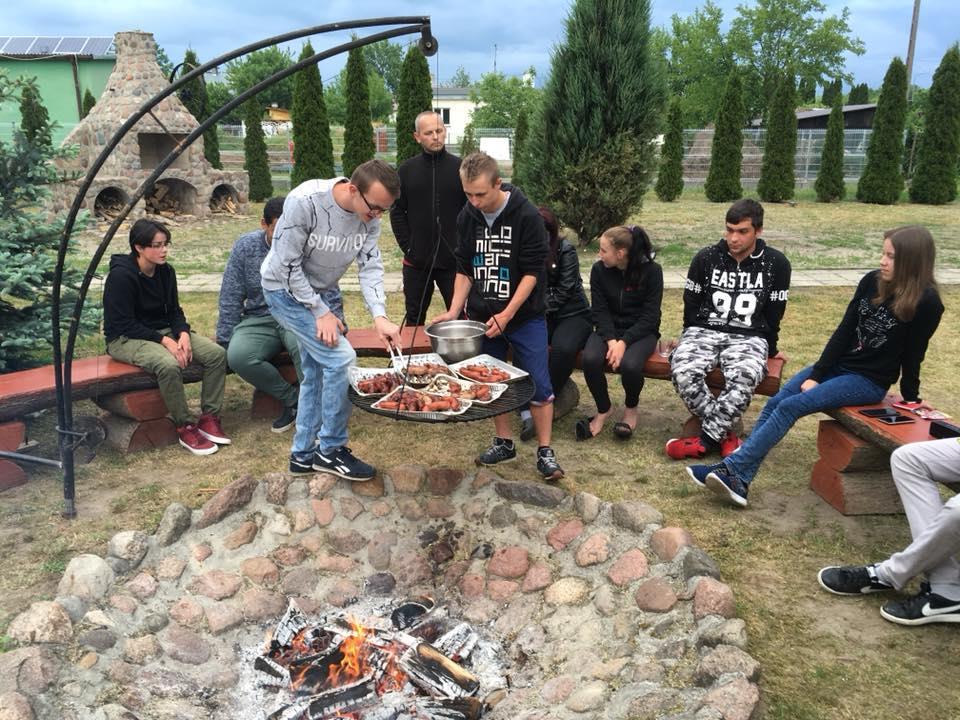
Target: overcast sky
x=519 y=33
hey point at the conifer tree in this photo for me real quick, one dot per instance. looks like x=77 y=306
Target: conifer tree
x=726 y=153
x=312 y=146
x=414 y=95
x=358 y=144
x=520 y=133
x=88 y=102
x=34 y=118
x=830 y=186
x=807 y=91
x=468 y=141
x=859 y=95
x=590 y=152
x=194 y=96
x=777 y=179
x=831 y=91
x=935 y=178
x=255 y=153
x=670 y=176
x=882 y=178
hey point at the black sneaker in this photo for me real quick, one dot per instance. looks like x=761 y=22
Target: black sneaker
x=699 y=473
x=547 y=464
x=527 y=429
x=923 y=608
x=286 y=420
x=342 y=463
x=299 y=466
x=501 y=451
x=851 y=580
x=727 y=485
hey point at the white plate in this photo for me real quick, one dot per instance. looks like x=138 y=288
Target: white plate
x=438 y=386
x=392 y=396
x=362 y=373
x=421 y=359
x=515 y=373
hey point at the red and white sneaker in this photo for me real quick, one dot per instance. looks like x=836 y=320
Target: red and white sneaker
x=683 y=448
x=209 y=426
x=193 y=441
x=729 y=444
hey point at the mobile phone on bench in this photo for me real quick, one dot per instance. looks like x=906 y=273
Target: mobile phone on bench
x=896 y=419
x=879 y=412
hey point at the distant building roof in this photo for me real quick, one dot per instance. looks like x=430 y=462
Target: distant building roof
x=821 y=112
x=452 y=93
x=35 y=46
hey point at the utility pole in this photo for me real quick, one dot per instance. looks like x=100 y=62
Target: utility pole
x=495 y=56
x=912 y=47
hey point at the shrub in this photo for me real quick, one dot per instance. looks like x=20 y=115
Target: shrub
x=357 y=131
x=829 y=185
x=935 y=178
x=255 y=153
x=670 y=176
x=413 y=97
x=726 y=153
x=882 y=178
x=777 y=174
x=88 y=102
x=312 y=146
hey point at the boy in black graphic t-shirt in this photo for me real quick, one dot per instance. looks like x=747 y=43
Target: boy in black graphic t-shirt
x=735 y=295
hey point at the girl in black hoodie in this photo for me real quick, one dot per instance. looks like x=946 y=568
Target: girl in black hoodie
x=626 y=288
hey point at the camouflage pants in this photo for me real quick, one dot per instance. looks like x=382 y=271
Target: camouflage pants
x=743 y=362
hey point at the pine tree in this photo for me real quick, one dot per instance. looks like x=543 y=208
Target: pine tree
x=859 y=95
x=357 y=132
x=670 y=177
x=520 y=134
x=831 y=91
x=194 y=97
x=590 y=153
x=807 y=91
x=413 y=97
x=777 y=179
x=255 y=153
x=882 y=178
x=935 y=177
x=830 y=186
x=34 y=118
x=468 y=141
x=726 y=153
x=312 y=146
x=88 y=102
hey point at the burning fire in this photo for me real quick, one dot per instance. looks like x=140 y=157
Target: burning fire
x=355 y=663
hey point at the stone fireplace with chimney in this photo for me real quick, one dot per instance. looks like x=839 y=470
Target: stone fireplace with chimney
x=189 y=187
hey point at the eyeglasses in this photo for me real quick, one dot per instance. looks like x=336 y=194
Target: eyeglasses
x=375 y=209
x=159 y=246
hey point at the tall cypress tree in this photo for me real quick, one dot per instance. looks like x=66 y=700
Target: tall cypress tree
x=590 y=152
x=468 y=141
x=520 y=134
x=807 y=91
x=777 y=178
x=34 y=118
x=357 y=132
x=829 y=185
x=88 y=102
x=726 y=153
x=859 y=95
x=670 y=176
x=413 y=97
x=194 y=96
x=255 y=153
x=831 y=91
x=882 y=178
x=935 y=177
x=312 y=146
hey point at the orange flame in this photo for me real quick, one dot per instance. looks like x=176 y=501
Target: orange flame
x=354 y=664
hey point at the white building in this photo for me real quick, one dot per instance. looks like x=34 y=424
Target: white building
x=455 y=107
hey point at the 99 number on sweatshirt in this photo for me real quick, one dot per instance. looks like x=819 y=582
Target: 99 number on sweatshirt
x=743 y=305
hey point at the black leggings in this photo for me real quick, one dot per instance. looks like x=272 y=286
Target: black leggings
x=594 y=362
x=566 y=337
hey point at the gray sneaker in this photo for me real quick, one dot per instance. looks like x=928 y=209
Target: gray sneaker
x=547 y=464
x=501 y=451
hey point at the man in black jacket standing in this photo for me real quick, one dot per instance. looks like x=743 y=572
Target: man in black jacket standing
x=424 y=218
x=733 y=301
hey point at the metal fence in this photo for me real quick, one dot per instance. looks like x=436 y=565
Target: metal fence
x=697 y=145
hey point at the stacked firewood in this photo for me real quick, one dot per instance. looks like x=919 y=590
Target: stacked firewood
x=108 y=208
x=161 y=202
x=223 y=204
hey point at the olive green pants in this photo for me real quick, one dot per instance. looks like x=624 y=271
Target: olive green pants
x=156 y=359
x=254 y=343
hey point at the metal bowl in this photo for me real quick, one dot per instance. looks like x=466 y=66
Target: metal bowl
x=456 y=340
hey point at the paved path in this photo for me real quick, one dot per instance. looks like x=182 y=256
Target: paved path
x=210 y=282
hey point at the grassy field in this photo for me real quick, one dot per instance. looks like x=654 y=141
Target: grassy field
x=813 y=235
x=822 y=657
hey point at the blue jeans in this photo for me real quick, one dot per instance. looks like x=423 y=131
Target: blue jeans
x=529 y=343
x=838 y=388
x=324 y=406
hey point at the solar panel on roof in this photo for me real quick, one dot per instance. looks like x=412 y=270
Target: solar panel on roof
x=99 y=46
x=18 y=45
x=71 y=45
x=44 y=45
x=3 y=41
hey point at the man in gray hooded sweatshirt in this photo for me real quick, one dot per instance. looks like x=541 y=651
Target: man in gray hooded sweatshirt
x=326 y=225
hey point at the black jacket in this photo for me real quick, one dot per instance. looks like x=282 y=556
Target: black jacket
x=746 y=298
x=873 y=342
x=626 y=312
x=138 y=306
x=496 y=259
x=430 y=188
x=565 y=295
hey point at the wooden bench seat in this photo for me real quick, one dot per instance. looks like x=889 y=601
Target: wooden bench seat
x=853 y=470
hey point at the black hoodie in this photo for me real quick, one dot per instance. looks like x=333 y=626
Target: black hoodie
x=497 y=258
x=137 y=306
x=626 y=312
x=745 y=298
x=430 y=190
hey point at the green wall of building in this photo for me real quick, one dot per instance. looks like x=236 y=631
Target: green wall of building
x=55 y=80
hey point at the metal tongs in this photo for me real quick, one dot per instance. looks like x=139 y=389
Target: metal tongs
x=397 y=360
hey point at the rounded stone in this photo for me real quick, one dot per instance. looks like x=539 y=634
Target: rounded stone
x=713 y=597
x=143 y=586
x=512 y=561
x=89 y=577
x=566 y=591
x=141 y=649
x=630 y=566
x=590 y=696
x=175 y=522
x=594 y=550
x=408 y=479
x=260 y=570
x=187 y=612
x=667 y=542
x=655 y=595
x=129 y=545
x=243 y=534
x=501 y=516
x=43 y=622
x=564 y=533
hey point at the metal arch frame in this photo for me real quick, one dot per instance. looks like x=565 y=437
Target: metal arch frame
x=63 y=360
